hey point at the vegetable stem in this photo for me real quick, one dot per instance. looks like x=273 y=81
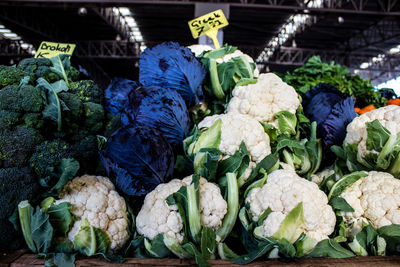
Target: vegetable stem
x=233 y=208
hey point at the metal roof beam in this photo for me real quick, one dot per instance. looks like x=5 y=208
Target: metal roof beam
x=291 y=56
x=114 y=20
x=358 y=7
x=384 y=30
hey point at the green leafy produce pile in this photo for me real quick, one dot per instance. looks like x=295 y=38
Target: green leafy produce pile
x=315 y=71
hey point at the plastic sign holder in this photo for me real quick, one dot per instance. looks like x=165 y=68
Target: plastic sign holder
x=208 y=24
x=50 y=49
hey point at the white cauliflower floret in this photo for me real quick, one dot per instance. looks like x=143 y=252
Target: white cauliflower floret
x=213 y=206
x=283 y=191
x=94 y=198
x=197 y=49
x=374 y=198
x=236 y=128
x=264 y=98
x=156 y=216
x=388 y=116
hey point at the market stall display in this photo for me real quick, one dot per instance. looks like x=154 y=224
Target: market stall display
x=203 y=158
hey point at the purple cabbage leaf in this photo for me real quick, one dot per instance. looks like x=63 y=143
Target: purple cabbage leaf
x=138 y=158
x=175 y=67
x=332 y=111
x=161 y=109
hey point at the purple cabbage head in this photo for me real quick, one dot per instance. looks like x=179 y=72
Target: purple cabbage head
x=116 y=96
x=161 y=109
x=137 y=158
x=175 y=67
x=332 y=111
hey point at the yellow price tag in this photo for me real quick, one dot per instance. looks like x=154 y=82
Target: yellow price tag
x=50 y=49
x=208 y=24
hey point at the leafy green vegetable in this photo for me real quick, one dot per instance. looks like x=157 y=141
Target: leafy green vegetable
x=156 y=247
x=344 y=182
x=292 y=226
x=314 y=72
x=61 y=66
x=91 y=240
x=53 y=109
x=339 y=203
x=60 y=217
x=330 y=248
x=59 y=260
x=391 y=234
x=233 y=208
x=208 y=243
x=36 y=228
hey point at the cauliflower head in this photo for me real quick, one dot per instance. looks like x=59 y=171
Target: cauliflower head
x=264 y=98
x=94 y=198
x=197 y=49
x=283 y=191
x=388 y=116
x=236 y=128
x=156 y=216
x=374 y=198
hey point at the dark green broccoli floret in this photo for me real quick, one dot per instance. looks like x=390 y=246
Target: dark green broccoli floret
x=17 y=146
x=113 y=123
x=86 y=152
x=10 y=75
x=33 y=120
x=73 y=74
x=73 y=103
x=88 y=91
x=16 y=184
x=38 y=67
x=8 y=119
x=94 y=116
x=47 y=155
x=21 y=98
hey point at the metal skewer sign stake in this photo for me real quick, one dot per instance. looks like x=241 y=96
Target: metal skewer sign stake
x=208 y=24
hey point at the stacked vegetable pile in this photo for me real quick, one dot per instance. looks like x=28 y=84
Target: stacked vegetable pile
x=49 y=122
x=215 y=160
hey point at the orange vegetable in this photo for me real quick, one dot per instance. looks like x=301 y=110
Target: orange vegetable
x=366 y=109
x=395 y=101
x=357 y=110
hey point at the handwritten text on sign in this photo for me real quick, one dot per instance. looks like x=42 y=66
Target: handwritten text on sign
x=213 y=20
x=50 y=49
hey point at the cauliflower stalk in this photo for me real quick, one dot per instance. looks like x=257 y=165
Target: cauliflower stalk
x=192 y=205
x=264 y=99
x=373 y=142
x=225 y=136
x=286 y=207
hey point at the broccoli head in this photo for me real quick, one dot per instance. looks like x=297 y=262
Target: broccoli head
x=17 y=146
x=47 y=155
x=8 y=119
x=94 y=116
x=16 y=184
x=88 y=91
x=86 y=152
x=112 y=124
x=25 y=98
x=73 y=74
x=38 y=67
x=33 y=120
x=74 y=104
x=10 y=75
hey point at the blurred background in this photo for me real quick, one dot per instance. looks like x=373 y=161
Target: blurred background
x=280 y=35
